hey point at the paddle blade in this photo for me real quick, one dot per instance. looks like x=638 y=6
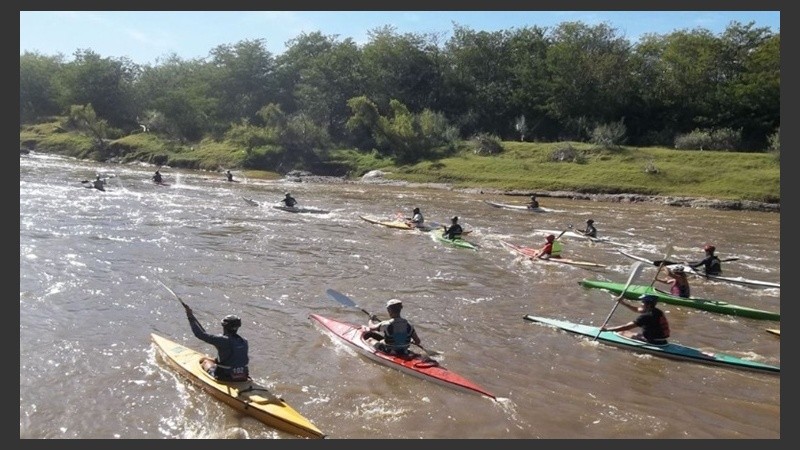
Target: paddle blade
x=636 y=269
x=341 y=298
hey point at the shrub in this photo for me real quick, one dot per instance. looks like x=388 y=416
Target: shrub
x=609 y=135
x=486 y=144
x=567 y=153
x=725 y=139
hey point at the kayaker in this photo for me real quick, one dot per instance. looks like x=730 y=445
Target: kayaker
x=454 y=230
x=711 y=263
x=533 y=203
x=157 y=177
x=590 y=229
x=232 y=350
x=229 y=175
x=289 y=200
x=99 y=183
x=394 y=335
x=677 y=281
x=651 y=320
x=551 y=249
x=417 y=220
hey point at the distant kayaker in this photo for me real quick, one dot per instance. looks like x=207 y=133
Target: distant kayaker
x=417 y=220
x=99 y=183
x=677 y=281
x=533 y=203
x=590 y=230
x=454 y=230
x=157 y=177
x=711 y=263
x=289 y=200
x=394 y=335
x=651 y=320
x=232 y=350
x=551 y=248
x=229 y=175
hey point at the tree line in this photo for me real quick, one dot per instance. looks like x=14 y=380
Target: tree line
x=403 y=95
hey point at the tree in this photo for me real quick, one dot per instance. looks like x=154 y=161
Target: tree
x=38 y=86
x=105 y=83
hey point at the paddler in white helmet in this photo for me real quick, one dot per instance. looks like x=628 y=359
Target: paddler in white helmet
x=393 y=335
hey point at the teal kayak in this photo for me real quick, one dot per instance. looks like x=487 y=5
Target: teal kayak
x=670 y=350
x=457 y=242
x=634 y=291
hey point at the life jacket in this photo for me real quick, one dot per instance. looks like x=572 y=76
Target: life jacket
x=398 y=336
x=556 y=248
x=714 y=267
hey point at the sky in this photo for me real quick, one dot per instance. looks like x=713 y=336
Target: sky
x=146 y=37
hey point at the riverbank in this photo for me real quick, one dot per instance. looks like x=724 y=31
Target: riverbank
x=379 y=177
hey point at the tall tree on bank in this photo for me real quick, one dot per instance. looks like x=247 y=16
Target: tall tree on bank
x=38 y=86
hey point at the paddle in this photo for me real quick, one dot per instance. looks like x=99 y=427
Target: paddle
x=658 y=262
x=185 y=306
x=347 y=301
x=569 y=227
x=661 y=266
x=636 y=267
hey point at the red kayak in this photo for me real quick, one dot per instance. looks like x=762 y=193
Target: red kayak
x=531 y=254
x=414 y=364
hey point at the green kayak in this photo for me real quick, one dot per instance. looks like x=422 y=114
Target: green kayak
x=634 y=291
x=670 y=350
x=457 y=242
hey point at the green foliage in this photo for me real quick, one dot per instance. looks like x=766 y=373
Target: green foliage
x=567 y=153
x=249 y=136
x=775 y=144
x=775 y=140
x=486 y=144
x=724 y=139
x=609 y=135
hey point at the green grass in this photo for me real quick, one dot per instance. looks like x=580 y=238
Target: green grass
x=520 y=166
x=720 y=175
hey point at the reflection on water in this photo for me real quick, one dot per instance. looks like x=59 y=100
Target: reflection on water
x=89 y=299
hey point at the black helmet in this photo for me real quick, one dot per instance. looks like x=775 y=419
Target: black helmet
x=648 y=298
x=454 y=219
x=416 y=210
x=231 y=322
x=590 y=221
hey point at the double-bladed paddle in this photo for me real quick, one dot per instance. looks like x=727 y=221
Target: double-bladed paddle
x=347 y=301
x=636 y=267
x=659 y=262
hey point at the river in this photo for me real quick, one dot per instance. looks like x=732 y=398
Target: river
x=89 y=299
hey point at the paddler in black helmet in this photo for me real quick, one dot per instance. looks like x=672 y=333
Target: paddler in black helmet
x=651 y=320
x=454 y=230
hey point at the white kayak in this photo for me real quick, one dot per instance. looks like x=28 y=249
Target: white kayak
x=539 y=209
x=689 y=270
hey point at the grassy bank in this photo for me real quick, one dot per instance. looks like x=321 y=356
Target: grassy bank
x=560 y=166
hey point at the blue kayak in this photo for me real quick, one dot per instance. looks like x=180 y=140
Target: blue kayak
x=670 y=350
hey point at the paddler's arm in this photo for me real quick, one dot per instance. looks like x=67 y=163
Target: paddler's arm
x=627 y=326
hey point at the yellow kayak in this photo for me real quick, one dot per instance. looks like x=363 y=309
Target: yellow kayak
x=244 y=396
x=775 y=331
